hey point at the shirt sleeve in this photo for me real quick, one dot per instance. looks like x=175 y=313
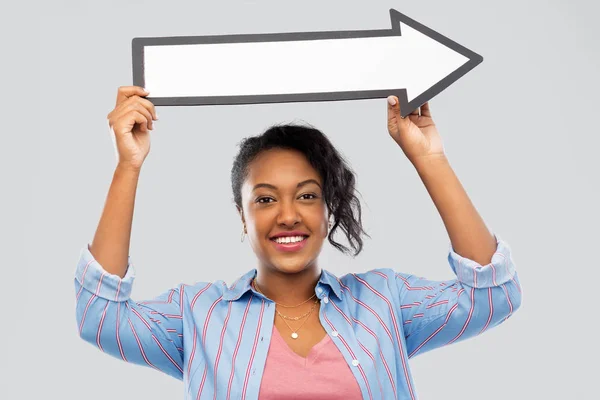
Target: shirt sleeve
x=437 y=313
x=146 y=333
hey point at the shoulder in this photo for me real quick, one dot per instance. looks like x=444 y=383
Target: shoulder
x=202 y=290
x=377 y=280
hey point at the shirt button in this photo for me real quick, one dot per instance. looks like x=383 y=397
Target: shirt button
x=319 y=290
x=355 y=362
x=325 y=300
x=334 y=333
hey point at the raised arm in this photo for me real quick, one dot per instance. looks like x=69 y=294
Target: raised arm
x=438 y=313
x=146 y=333
x=486 y=291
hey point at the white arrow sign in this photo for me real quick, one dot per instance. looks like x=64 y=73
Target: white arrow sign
x=410 y=61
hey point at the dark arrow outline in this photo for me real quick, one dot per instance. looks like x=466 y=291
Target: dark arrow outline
x=407 y=107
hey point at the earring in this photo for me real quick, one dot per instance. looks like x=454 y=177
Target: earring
x=243 y=232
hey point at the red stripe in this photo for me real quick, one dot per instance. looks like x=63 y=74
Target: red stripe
x=516 y=284
x=387 y=369
x=374 y=365
x=195 y=335
x=204 y=330
x=360 y=368
x=411 y=287
x=262 y=308
x=216 y=366
x=434 y=333
x=195 y=297
x=169 y=299
x=140 y=345
x=509 y=302
x=383 y=325
x=118 y=335
x=154 y=337
x=83 y=279
x=372 y=334
x=468 y=317
x=190 y=361
x=491 y=310
x=90 y=302
x=437 y=304
x=118 y=290
x=237 y=345
x=396 y=330
x=100 y=327
x=167 y=354
x=141 y=318
x=381 y=274
x=181 y=289
x=440 y=328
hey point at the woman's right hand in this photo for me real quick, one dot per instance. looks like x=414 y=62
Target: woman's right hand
x=130 y=123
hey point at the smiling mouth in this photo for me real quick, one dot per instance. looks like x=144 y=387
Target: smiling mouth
x=289 y=240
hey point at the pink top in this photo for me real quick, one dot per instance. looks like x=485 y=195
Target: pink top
x=323 y=374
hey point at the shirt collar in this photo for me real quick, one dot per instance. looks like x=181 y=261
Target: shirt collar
x=328 y=282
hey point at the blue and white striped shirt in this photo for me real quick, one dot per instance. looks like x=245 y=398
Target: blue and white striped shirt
x=215 y=337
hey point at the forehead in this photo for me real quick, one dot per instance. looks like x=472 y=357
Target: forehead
x=280 y=166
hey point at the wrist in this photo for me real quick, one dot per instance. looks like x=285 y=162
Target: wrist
x=427 y=162
x=128 y=169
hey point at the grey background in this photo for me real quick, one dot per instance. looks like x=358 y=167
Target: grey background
x=518 y=130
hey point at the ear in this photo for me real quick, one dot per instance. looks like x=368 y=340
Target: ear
x=240 y=212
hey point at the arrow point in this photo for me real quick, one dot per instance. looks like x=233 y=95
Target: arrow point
x=395 y=18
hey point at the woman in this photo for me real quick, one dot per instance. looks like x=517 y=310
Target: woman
x=324 y=337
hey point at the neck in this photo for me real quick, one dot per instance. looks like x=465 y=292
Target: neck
x=288 y=289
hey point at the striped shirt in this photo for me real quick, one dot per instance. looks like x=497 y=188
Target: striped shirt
x=215 y=337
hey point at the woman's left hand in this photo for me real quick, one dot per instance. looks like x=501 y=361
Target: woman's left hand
x=416 y=134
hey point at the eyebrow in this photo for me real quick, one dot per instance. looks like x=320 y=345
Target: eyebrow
x=269 y=186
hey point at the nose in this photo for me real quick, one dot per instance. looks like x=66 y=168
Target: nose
x=288 y=215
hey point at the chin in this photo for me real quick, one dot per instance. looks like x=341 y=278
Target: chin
x=290 y=267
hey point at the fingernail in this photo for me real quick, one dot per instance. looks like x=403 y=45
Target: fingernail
x=391 y=100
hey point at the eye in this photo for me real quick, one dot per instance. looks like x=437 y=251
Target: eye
x=314 y=196
x=264 y=198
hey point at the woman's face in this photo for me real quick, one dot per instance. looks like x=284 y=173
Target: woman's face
x=282 y=194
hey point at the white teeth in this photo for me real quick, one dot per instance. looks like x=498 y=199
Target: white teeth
x=289 y=239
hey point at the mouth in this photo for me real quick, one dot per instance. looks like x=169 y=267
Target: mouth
x=290 y=243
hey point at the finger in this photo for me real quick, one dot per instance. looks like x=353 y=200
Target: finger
x=127 y=122
x=415 y=112
x=141 y=120
x=393 y=108
x=133 y=104
x=149 y=106
x=124 y=92
x=426 y=110
x=396 y=122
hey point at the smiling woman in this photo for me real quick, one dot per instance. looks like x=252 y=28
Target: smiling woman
x=289 y=182
x=347 y=337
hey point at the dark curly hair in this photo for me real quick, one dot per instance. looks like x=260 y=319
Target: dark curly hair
x=337 y=177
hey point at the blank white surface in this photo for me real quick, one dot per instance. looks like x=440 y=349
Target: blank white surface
x=412 y=61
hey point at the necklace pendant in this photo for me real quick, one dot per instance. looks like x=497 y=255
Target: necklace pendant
x=294 y=335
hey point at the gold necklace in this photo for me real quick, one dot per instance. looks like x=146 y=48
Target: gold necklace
x=297 y=318
x=281 y=305
x=294 y=334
